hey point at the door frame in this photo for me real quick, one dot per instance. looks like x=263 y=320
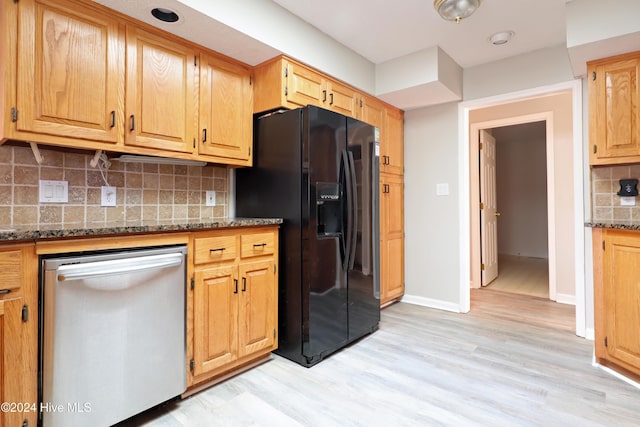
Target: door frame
x=475 y=229
x=464 y=174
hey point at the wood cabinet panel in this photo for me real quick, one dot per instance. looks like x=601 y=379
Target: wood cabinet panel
x=373 y=112
x=257 y=244
x=12 y=270
x=70 y=79
x=391 y=238
x=226 y=110
x=392 y=143
x=161 y=93
x=305 y=86
x=341 y=99
x=12 y=378
x=215 y=249
x=614 y=92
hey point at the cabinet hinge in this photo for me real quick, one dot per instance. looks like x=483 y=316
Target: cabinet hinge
x=193 y=283
x=603 y=245
x=275 y=268
x=482 y=267
x=195 y=61
x=274 y=333
x=250 y=80
x=14 y=114
x=595 y=148
x=593 y=75
x=606 y=342
x=286 y=91
x=194 y=143
x=481 y=205
x=25 y=313
x=192 y=365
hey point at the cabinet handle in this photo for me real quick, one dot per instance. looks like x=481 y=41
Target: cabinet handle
x=217 y=250
x=331 y=97
x=235 y=282
x=204 y=135
x=244 y=284
x=133 y=123
x=259 y=245
x=113 y=119
x=324 y=96
x=5 y=291
x=385 y=188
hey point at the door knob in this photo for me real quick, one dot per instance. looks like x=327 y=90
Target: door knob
x=497 y=213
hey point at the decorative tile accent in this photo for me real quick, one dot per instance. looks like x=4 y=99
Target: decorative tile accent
x=606 y=208
x=144 y=192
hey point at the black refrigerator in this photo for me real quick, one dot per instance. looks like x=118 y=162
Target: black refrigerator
x=318 y=170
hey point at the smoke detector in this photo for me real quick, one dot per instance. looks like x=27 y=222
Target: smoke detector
x=501 y=38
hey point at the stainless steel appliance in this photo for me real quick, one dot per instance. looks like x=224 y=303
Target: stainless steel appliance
x=318 y=170
x=113 y=334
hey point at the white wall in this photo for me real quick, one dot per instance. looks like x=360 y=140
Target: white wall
x=521 y=183
x=431 y=156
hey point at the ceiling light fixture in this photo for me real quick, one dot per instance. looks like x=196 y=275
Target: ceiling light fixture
x=500 y=38
x=165 y=15
x=456 y=10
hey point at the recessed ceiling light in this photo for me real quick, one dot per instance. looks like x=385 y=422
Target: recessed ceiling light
x=165 y=15
x=502 y=37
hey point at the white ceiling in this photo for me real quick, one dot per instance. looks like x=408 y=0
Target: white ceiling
x=381 y=30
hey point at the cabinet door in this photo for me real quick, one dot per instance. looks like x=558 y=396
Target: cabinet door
x=226 y=110
x=622 y=299
x=258 y=307
x=305 y=86
x=215 y=318
x=341 y=99
x=392 y=143
x=373 y=112
x=614 y=94
x=391 y=237
x=70 y=72
x=12 y=372
x=162 y=97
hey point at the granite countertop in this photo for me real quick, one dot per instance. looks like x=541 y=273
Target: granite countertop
x=622 y=225
x=89 y=229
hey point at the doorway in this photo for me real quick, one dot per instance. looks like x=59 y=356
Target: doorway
x=514 y=232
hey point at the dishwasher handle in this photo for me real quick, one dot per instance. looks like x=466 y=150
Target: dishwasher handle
x=117 y=266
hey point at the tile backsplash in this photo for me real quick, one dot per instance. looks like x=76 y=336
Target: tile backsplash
x=605 y=202
x=144 y=192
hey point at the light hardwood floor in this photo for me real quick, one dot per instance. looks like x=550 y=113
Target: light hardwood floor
x=522 y=275
x=512 y=361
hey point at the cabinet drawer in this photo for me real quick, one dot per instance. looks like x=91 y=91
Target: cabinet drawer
x=11 y=268
x=257 y=244
x=215 y=249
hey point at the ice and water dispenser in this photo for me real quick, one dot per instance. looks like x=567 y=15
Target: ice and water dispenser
x=328 y=209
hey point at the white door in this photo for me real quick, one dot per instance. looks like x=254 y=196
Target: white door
x=488 y=204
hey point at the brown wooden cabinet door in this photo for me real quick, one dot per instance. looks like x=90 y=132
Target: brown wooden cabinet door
x=13 y=374
x=162 y=96
x=392 y=143
x=373 y=112
x=226 y=110
x=305 y=86
x=70 y=72
x=215 y=318
x=258 y=307
x=621 y=294
x=341 y=99
x=391 y=237
x=615 y=113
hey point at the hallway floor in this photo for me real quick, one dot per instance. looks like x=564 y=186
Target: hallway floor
x=522 y=275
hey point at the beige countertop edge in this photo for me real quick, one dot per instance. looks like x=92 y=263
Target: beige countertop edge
x=104 y=229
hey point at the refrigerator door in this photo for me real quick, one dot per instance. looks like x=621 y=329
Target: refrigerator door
x=325 y=291
x=363 y=272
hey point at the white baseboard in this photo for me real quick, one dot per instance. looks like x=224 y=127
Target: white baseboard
x=431 y=303
x=590 y=334
x=566 y=299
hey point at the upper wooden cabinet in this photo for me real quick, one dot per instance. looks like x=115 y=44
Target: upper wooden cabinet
x=161 y=95
x=226 y=110
x=283 y=82
x=614 y=112
x=616 y=256
x=392 y=143
x=79 y=75
x=70 y=72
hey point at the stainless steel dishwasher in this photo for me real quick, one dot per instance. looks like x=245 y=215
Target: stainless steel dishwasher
x=113 y=334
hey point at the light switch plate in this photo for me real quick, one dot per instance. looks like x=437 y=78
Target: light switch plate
x=627 y=201
x=442 y=189
x=210 y=198
x=53 y=191
x=108 y=196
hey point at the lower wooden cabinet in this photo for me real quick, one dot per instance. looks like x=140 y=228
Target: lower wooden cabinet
x=235 y=300
x=391 y=237
x=617 y=299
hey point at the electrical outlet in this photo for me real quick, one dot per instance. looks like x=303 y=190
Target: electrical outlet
x=53 y=191
x=108 y=196
x=210 y=198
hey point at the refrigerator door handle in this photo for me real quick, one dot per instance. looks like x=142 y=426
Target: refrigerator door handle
x=354 y=211
x=349 y=196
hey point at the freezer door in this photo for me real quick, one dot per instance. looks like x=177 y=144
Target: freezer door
x=324 y=293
